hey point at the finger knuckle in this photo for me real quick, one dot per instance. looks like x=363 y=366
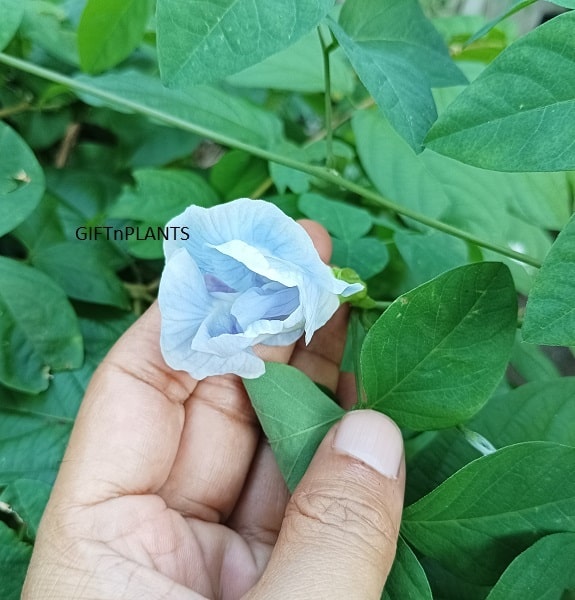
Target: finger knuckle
x=352 y=515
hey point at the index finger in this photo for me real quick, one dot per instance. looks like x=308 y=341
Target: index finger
x=128 y=429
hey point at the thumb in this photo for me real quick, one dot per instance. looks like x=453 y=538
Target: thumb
x=340 y=530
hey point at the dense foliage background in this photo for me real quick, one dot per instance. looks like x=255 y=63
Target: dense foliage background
x=436 y=148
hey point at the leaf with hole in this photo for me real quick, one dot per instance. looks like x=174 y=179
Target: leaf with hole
x=28 y=498
x=21 y=180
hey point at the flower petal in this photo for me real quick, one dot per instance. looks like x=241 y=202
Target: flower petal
x=245 y=364
x=184 y=304
x=271 y=301
x=258 y=224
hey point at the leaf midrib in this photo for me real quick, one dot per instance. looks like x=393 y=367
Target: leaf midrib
x=438 y=346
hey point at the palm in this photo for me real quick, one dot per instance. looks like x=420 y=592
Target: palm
x=169 y=479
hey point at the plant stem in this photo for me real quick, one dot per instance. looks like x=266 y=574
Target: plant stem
x=382 y=304
x=326 y=50
x=14 y=110
x=321 y=173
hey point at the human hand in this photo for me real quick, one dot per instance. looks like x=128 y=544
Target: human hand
x=169 y=490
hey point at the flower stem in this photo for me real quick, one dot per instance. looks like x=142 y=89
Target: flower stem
x=382 y=304
x=321 y=173
x=326 y=50
x=14 y=110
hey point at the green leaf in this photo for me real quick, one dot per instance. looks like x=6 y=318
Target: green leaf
x=298 y=68
x=12 y=12
x=28 y=498
x=407 y=579
x=398 y=55
x=527 y=238
x=48 y=25
x=141 y=142
x=204 y=106
x=38 y=330
x=537 y=411
x=161 y=194
x=286 y=177
x=82 y=273
x=343 y=220
x=14 y=560
x=543 y=572
x=205 y=41
x=367 y=256
x=393 y=167
x=474 y=199
x=21 y=180
x=148 y=248
x=515 y=115
x=238 y=174
x=43 y=227
x=445 y=346
x=429 y=254
x=101 y=328
x=481 y=518
x=550 y=313
x=294 y=414
x=34 y=430
x=540 y=410
x=109 y=31
x=531 y=362
x=446 y=586
x=514 y=8
x=509 y=209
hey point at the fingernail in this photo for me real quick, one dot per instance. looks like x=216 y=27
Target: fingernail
x=372 y=438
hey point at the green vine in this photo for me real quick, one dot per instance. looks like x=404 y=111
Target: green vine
x=322 y=173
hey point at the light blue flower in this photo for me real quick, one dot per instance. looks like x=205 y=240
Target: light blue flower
x=248 y=274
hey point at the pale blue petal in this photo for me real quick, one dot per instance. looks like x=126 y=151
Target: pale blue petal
x=184 y=304
x=349 y=289
x=284 y=339
x=318 y=306
x=269 y=267
x=247 y=274
x=258 y=224
x=220 y=334
x=245 y=364
x=271 y=301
